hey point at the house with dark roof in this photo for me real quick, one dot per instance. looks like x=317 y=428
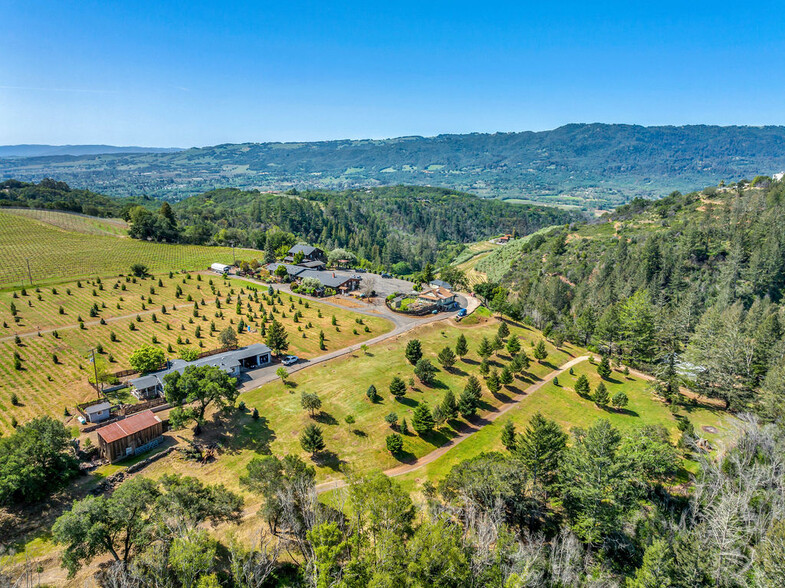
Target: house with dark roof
x=292 y=271
x=440 y=284
x=130 y=436
x=232 y=362
x=340 y=282
x=309 y=253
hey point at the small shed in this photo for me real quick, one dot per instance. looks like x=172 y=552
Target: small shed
x=131 y=436
x=220 y=268
x=98 y=413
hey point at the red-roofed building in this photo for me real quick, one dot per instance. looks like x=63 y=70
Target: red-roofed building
x=131 y=436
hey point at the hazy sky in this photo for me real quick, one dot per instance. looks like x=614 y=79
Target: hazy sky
x=200 y=73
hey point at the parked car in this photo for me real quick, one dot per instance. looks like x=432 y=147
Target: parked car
x=386 y=276
x=290 y=360
x=462 y=313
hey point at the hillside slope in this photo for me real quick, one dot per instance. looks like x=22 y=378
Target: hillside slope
x=591 y=165
x=691 y=283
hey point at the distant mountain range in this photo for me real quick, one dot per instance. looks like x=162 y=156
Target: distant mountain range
x=78 y=150
x=588 y=165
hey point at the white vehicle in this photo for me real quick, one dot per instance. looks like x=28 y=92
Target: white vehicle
x=290 y=360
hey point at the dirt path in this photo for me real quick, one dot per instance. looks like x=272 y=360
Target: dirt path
x=437 y=453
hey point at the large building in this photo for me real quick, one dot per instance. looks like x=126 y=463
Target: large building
x=131 y=436
x=232 y=362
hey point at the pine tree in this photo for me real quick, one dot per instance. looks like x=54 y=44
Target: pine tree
x=540 y=352
x=422 y=420
x=486 y=349
x=497 y=343
x=493 y=382
x=413 y=351
x=505 y=378
x=446 y=358
x=449 y=405
x=582 y=386
x=513 y=345
x=540 y=448
x=394 y=443
x=425 y=371
x=397 y=387
x=601 y=395
x=504 y=330
x=461 y=347
x=508 y=436
x=311 y=439
x=277 y=339
x=604 y=368
x=619 y=400
x=372 y=394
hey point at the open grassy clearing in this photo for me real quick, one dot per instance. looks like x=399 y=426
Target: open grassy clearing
x=44 y=387
x=561 y=404
x=58 y=255
x=342 y=384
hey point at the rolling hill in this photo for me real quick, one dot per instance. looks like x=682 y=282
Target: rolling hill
x=588 y=165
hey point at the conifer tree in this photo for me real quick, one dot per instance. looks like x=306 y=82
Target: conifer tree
x=461 y=347
x=422 y=419
x=311 y=439
x=413 y=351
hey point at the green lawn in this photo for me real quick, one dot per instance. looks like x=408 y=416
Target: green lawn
x=342 y=384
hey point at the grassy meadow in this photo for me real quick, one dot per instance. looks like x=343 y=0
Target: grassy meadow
x=341 y=385
x=125 y=303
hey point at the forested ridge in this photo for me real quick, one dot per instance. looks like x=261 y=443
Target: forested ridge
x=689 y=287
x=409 y=224
x=591 y=165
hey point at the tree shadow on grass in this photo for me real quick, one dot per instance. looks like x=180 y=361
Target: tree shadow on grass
x=329 y=459
x=470 y=361
x=515 y=390
x=502 y=397
x=456 y=371
x=359 y=432
x=548 y=364
x=436 y=385
x=624 y=411
x=325 y=418
x=437 y=437
x=245 y=432
x=405 y=457
x=410 y=402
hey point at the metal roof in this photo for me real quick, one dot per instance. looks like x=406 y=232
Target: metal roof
x=133 y=424
x=328 y=279
x=226 y=361
x=99 y=407
x=292 y=270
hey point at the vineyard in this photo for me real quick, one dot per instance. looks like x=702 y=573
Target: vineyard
x=73 y=221
x=59 y=247
x=120 y=314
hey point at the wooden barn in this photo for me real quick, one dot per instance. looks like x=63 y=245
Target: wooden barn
x=131 y=436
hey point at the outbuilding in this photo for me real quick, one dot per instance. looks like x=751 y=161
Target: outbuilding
x=220 y=268
x=130 y=436
x=98 y=412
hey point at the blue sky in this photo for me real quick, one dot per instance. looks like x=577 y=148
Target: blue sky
x=200 y=73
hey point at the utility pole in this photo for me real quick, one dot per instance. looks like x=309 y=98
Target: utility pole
x=29 y=274
x=95 y=368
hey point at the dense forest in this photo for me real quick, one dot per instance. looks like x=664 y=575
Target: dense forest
x=689 y=287
x=50 y=194
x=591 y=165
x=400 y=228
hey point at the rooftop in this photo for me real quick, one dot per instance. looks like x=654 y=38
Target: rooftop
x=225 y=361
x=99 y=407
x=126 y=427
x=436 y=294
